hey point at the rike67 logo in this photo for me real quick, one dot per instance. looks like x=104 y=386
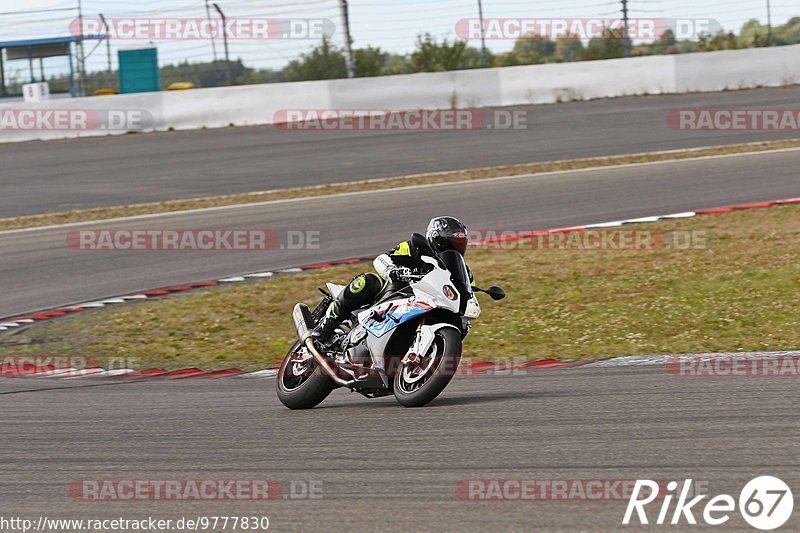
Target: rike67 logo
x=765 y=503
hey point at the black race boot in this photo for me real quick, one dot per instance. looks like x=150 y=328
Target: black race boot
x=326 y=326
x=360 y=292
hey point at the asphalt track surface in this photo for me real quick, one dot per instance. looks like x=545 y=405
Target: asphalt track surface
x=40 y=177
x=38 y=269
x=383 y=467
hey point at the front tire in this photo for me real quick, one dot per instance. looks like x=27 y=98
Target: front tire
x=415 y=386
x=301 y=384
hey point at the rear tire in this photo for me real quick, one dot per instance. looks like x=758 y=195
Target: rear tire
x=302 y=391
x=447 y=346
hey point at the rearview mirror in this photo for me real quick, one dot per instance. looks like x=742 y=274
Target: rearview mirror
x=496 y=293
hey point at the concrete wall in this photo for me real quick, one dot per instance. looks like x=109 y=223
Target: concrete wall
x=738 y=69
x=535 y=84
x=560 y=82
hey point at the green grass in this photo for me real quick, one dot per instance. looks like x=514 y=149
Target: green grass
x=739 y=293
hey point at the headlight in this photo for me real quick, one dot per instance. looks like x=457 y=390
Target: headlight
x=473 y=309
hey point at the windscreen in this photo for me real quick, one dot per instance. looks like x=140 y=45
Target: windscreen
x=454 y=262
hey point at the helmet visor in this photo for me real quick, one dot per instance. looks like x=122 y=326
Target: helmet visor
x=459 y=242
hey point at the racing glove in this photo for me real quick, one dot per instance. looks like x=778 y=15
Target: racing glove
x=398 y=273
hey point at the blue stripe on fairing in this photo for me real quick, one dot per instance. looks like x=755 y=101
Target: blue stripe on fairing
x=390 y=321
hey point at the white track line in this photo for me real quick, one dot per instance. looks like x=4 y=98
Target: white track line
x=410 y=188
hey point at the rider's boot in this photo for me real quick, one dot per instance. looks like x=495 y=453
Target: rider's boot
x=327 y=325
x=360 y=292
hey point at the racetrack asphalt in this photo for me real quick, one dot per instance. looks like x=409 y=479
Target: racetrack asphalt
x=41 y=177
x=38 y=269
x=384 y=467
x=381 y=466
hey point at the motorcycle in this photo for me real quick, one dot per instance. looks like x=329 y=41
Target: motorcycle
x=407 y=343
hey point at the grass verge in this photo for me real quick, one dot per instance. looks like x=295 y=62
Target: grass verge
x=106 y=213
x=735 y=292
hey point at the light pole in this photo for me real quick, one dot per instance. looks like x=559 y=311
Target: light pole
x=626 y=42
x=224 y=30
x=348 y=49
x=81 y=56
x=108 y=41
x=483 y=35
x=225 y=41
x=213 y=43
x=769 y=25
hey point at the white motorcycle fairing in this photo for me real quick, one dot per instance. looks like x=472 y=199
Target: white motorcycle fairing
x=433 y=291
x=334 y=289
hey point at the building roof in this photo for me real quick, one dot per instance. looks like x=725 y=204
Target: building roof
x=50 y=40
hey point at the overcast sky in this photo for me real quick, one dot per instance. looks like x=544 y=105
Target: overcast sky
x=390 y=25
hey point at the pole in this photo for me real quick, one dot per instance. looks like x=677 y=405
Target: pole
x=213 y=43
x=483 y=35
x=348 y=48
x=108 y=41
x=225 y=41
x=2 y=75
x=72 y=88
x=224 y=31
x=769 y=25
x=626 y=42
x=30 y=64
x=81 y=55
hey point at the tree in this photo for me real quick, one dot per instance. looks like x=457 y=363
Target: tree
x=528 y=50
x=789 y=33
x=211 y=74
x=719 y=41
x=324 y=62
x=608 y=46
x=431 y=56
x=665 y=44
x=753 y=34
x=568 y=48
x=473 y=58
x=369 y=61
x=397 y=64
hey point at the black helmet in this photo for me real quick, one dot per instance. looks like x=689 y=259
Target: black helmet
x=447 y=233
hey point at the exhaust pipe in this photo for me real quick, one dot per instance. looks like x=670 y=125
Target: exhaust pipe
x=302 y=317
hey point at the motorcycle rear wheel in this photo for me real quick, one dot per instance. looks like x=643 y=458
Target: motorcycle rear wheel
x=302 y=384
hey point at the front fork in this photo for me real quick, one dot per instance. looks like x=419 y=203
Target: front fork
x=413 y=355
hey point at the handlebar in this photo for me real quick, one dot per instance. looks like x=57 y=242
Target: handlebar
x=404 y=274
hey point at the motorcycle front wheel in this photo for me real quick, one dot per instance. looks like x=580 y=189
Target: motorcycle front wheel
x=418 y=382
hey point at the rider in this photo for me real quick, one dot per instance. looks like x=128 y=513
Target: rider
x=444 y=233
